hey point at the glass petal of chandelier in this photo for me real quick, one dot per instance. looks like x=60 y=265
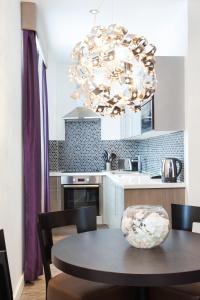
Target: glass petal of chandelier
x=113 y=69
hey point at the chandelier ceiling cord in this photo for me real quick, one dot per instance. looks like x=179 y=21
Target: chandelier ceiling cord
x=113 y=69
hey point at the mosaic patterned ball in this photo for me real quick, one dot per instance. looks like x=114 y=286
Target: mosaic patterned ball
x=145 y=226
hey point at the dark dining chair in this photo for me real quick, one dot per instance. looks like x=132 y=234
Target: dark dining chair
x=182 y=218
x=6 y=292
x=64 y=286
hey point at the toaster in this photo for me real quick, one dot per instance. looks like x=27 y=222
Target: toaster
x=125 y=164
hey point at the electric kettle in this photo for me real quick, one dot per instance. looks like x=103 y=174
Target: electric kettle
x=170 y=171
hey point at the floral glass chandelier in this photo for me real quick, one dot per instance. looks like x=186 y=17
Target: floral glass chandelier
x=113 y=69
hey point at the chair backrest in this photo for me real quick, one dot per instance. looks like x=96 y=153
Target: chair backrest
x=5 y=281
x=183 y=216
x=196 y=227
x=83 y=218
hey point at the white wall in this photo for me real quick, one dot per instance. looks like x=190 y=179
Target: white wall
x=193 y=104
x=161 y=22
x=60 y=102
x=11 y=135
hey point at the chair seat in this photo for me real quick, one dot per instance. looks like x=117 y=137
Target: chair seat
x=178 y=292
x=66 y=287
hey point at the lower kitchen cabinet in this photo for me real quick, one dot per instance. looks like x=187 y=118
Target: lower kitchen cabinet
x=113 y=203
x=163 y=197
x=56 y=193
x=116 y=199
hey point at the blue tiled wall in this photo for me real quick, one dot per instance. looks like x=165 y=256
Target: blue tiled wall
x=83 y=149
x=153 y=150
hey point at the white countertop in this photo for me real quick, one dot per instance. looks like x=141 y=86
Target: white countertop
x=128 y=180
x=57 y=174
x=142 y=181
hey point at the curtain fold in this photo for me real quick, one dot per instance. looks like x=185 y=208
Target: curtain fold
x=45 y=139
x=32 y=155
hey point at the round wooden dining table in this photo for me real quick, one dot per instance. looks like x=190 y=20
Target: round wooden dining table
x=105 y=256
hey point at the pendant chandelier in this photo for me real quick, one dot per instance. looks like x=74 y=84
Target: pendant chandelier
x=113 y=69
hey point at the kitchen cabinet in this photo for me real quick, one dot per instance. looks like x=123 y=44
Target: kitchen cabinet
x=56 y=193
x=119 y=205
x=169 y=95
x=130 y=124
x=136 y=123
x=168 y=105
x=110 y=128
x=108 y=200
x=116 y=199
x=162 y=196
x=169 y=100
x=126 y=126
x=113 y=203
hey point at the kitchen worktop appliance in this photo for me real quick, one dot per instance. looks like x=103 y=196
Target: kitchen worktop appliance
x=82 y=191
x=170 y=171
x=128 y=164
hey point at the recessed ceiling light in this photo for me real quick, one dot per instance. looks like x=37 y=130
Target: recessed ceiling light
x=94 y=11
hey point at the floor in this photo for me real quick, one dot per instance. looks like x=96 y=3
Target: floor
x=36 y=290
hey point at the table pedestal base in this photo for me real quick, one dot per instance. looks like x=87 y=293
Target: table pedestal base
x=142 y=293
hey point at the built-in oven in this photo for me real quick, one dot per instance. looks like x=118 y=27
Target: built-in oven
x=82 y=191
x=147 y=116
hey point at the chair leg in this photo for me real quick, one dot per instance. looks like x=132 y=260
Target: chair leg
x=142 y=293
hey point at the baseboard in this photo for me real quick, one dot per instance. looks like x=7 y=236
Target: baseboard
x=19 y=288
x=99 y=220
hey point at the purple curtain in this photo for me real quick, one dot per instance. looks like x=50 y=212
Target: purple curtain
x=32 y=155
x=46 y=139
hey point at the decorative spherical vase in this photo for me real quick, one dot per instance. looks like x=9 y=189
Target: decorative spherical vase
x=145 y=226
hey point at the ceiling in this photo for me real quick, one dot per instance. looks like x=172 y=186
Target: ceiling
x=163 y=23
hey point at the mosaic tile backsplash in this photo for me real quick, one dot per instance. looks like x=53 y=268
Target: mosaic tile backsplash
x=153 y=150
x=83 y=149
x=56 y=155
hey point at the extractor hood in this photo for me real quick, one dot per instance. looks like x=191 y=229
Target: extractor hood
x=81 y=113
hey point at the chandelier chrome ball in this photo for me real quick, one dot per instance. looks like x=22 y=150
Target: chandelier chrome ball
x=113 y=69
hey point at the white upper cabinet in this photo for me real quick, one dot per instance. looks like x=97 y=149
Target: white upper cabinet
x=130 y=124
x=110 y=128
x=127 y=126
x=136 y=124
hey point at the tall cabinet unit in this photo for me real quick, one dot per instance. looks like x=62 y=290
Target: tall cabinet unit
x=169 y=99
x=169 y=95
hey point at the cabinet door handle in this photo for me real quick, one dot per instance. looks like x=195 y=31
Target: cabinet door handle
x=80 y=186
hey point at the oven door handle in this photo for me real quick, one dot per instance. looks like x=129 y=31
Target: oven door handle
x=80 y=186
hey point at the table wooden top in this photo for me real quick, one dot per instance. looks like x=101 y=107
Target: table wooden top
x=105 y=256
